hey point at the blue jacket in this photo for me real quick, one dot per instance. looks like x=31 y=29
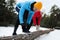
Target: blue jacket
x=25 y=6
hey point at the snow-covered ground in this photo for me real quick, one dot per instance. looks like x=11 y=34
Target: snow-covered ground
x=54 y=35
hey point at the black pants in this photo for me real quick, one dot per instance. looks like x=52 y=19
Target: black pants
x=25 y=26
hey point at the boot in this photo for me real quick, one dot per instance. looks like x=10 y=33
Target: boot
x=25 y=29
x=28 y=27
x=14 y=33
x=15 y=29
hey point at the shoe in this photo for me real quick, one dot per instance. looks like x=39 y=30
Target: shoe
x=14 y=33
x=37 y=28
x=26 y=31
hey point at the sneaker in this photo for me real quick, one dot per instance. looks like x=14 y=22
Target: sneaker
x=37 y=28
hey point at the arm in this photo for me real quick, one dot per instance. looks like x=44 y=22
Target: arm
x=18 y=6
x=21 y=13
x=31 y=13
x=17 y=9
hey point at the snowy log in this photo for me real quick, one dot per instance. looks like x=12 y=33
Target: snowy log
x=31 y=36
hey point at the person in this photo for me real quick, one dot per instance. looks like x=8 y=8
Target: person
x=37 y=15
x=25 y=13
x=37 y=19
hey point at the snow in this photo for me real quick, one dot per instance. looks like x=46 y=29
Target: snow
x=7 y=31
x=54 y=35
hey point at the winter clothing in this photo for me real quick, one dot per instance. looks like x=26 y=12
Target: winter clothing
x=25 y=13
x=24 y=29
x=37 y=17
x=38 y=5
x=25 y=6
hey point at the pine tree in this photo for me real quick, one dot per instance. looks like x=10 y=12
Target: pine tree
x=7 y=13
x=54 y=17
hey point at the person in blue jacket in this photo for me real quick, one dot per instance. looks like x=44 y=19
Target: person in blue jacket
x=25 y=13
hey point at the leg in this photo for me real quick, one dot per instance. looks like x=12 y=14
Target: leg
x=34 y=21
x=24 y=25
x=16 y=26
x=38 y=23
x=39 y=20
x=15 y=29
x=29 y=26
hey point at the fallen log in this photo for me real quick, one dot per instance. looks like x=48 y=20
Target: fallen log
x=31 y=36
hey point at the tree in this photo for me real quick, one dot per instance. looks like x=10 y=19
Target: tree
x=45 y=21
x=11 y=12
x=3 y=10
x=53 y=20
x=7 y=13
x=54 y=17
